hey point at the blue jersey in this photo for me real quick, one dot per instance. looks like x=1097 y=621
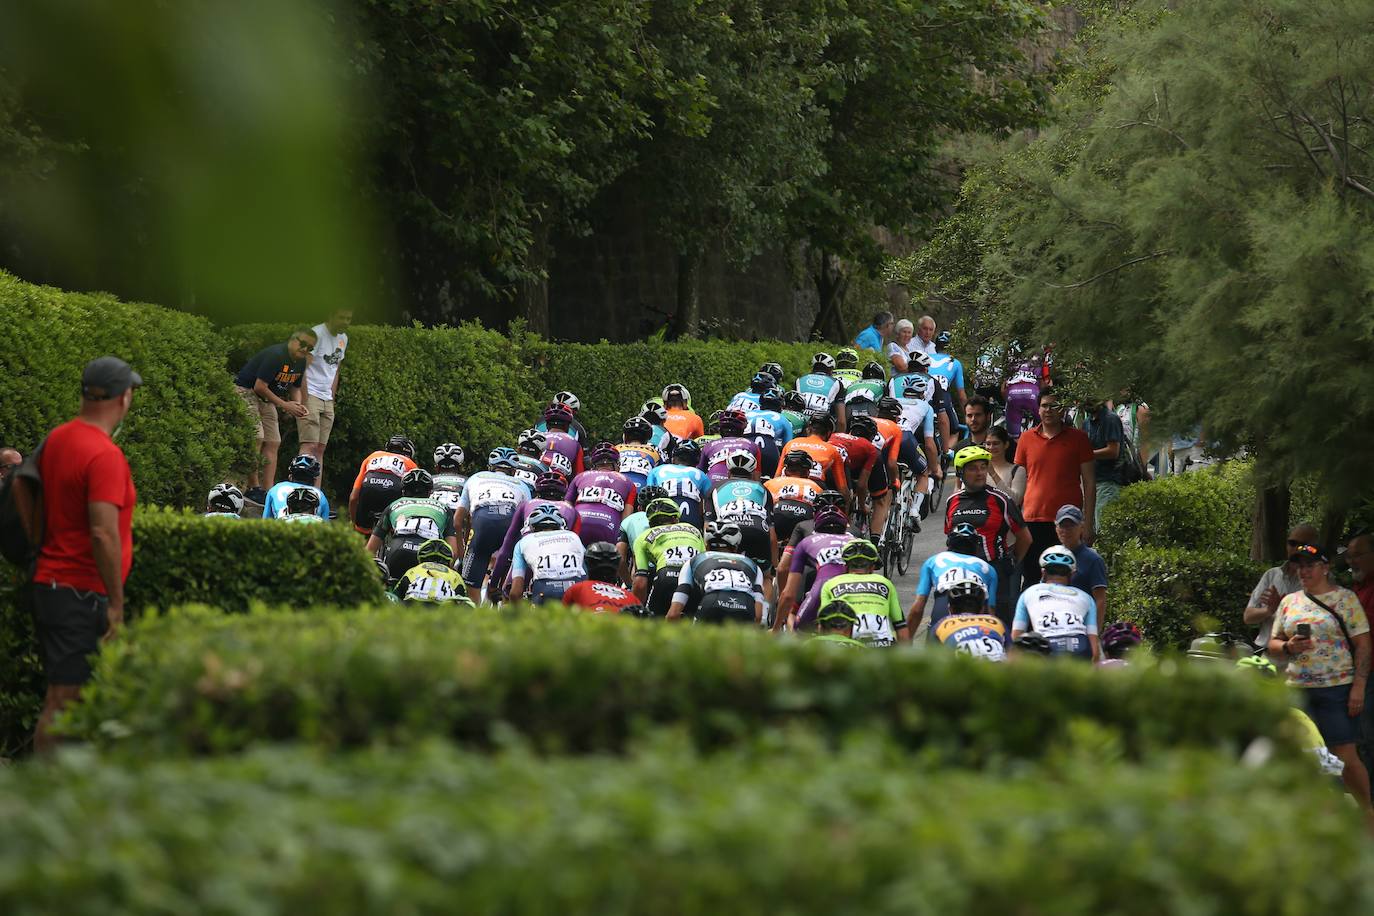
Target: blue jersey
x=275 y=504
x=937 y=565
x=741 y=501
x=745 y=400
x=949 y=369
x=1064 y=615
x=819 y=391
x=661 y=439
x=769 y=423
x=681 y=482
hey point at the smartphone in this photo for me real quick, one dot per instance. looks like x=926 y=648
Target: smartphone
x=1305 y=630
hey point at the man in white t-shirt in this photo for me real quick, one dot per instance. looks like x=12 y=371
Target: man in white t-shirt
x=322 y=384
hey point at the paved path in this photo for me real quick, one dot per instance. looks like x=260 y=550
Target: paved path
x=930 y=540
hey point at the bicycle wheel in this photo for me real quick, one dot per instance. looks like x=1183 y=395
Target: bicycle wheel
x=907 y=546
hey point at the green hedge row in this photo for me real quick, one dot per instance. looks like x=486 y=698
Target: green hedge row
x=201 y=682
x=1205 y=510
x=1175 y=594
x=800 y=830
x=186 y=430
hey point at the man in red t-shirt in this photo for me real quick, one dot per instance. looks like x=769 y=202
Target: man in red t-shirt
x=1059 y=472
x=88 y=546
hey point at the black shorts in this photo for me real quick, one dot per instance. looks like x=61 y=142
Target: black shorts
x=726 y=607
x=69 y=625
x=376 y=492
x=757 y=545
x=661 y=590
x=402 y=555
x=878 y=481
x=787 y=513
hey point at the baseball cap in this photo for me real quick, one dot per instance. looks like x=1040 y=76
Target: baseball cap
x=111 y=375
x=1308 y=553
x=1068 y=513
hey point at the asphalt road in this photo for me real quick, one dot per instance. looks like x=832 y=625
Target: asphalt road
x=930 y=540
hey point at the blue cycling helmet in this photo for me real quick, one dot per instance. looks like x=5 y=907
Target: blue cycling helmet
x=303 y=469
x=546 y=518
x=503 y=457
x=1058 y=556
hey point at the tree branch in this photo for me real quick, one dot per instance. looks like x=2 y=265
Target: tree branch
x=1111 y=270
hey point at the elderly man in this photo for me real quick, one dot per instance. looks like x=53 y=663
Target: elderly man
x=1277 y=582
x=925 y=336
x=872 y=337
x=9 y=460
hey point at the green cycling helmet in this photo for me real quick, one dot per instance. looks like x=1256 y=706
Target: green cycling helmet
x=1258 y=664
x=860 y=551
x=435 y=551
x=662 y=512
x=837 y=615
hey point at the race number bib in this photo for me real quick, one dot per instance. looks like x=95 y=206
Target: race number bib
x=727 y=580
x=556 y=565
x=558 y=461
x=602 y=496
x=678 y=555
x=635 y=463
x=1057 y=622
x=491 y=493
x=389 y=464
x=419 y=526
x=815 y=401
x=682 y=488
x=741 y=507
x=829 y=556
x=429 y=589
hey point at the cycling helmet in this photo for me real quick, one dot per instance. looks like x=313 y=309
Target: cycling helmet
x=961 y=583
x=822 y=362
x=601 y=561
x=687 y=452
x=889 y=408
x=448 y=457
x=604 y=453
x=646 y=495
x=833 y=498
x=820 y=419
x=771 y=399
x=963 y=538
x=742 y=464
x=970 y=454
x=837 y=615
x=501 y=457
x=546 y=518
x=558 y=415
x=914 y=387
x=917 y=361
x=225 y=497
x=1251 y=664
x=304 y=501
x=761 y=382
x=662 y=512
x=1058 y=556
x=654 y=411
x=418 y=482
x=637 y=429
x=874 y=370
x=860 y=552
x=1219 y=647
x=831 y=520
x=303 y=469
x=713 y=422
x=1120 y=636
x=943 y=338
x=533 y=442
x=793 y=400
x=551 y=485
x=1033 y=643
x=677 y=391
x=724 y=535
x=773 y=369
x=732 y=422
x=401 y=445
x=568 y=400
x=435 y=550
x=847 y=358
x=798 y=460
x=862 y=425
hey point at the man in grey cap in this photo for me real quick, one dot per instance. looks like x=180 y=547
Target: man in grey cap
x=87 y=546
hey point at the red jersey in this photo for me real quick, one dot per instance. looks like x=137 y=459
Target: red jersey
x=599 y=597
x=80 y=465
x=859 y=454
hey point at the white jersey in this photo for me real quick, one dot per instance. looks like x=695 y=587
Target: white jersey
x=554 y=554
x=1064 y=615
x=490 y=490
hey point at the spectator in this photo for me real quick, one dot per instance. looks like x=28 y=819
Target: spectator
x=1134 y=415
x=1004 y=473
x=872 y=337
x=1273 y=586
x=1059 y=471
x=322 y=384
x=897 y=349
x=87 y=549
x=978 y=416
x=10 y=458
x=271 y=380
x=925 y=336
x=1359 y=553
x=1323 y=632
x=1104 y=431
x=1090 y=573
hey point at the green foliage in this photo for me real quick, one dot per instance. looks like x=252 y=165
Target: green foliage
x=1176 y=593
x=21 y=672
x=569 y=682
x=1207 y=510
x=186 y=430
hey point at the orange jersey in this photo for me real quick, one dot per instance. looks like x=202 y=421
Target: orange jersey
x=684 y=423
x=794 y=488
x=828 y=462
x=383 y=462
x=891 y=434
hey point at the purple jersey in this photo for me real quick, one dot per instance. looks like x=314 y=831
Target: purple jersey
x=821 y=551
x=715 y=454
x=563 y=453
x=501 y=565
x=600 y=498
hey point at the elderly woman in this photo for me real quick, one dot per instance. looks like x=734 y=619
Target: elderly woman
x=1003 y=473
x=1323 y=633
x=896 y=351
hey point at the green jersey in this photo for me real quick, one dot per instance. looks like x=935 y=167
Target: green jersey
x=838 y=640
x=432 y=583
x=301 y=518
x=865 y=389
x=848 y=376
x=873 y=598
x=667 y=547
x=797 y=420
x=448 y=488
x=413 y=517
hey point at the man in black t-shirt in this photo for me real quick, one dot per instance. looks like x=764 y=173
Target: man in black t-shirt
x=269 y=381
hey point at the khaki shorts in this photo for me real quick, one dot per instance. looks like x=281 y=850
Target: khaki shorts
x=264 y=412
x=317 y=422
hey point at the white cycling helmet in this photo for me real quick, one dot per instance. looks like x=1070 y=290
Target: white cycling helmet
x=677 y=390
x=918 y=361
x=533 y=439
x=225 y=497
x=724 y=534
x=915 y=387
x=568 y=400
x=960 y=582
x=1058 y=556
x=449 y=456
x=743 y=461
x=823 y=361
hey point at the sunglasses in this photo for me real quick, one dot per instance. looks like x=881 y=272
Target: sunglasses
x=1053 y=408
x=307 y=347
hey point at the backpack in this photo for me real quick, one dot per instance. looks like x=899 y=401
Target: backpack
x=1130 y=466
x=21 y=512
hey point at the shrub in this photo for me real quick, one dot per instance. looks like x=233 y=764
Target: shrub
x=186 y=430
x=207 y=683
x=802 y=830
x=1175 y=593
x=1208 y=510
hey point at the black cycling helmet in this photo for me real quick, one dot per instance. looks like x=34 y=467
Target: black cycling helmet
x=601 y=561
x=303 y=501
x=773 y=369
x=713 y=422
x=874 y=370
x=761 y=382
x=687 y=452
x=942 y=340
x=648 y=494
x=798 y=460
x=820 y=419
x=793 y=400
x=723 y=535
x=225 y=497
x=418 y=482
x=1033 y=643
x=829 y=498
x=963 y=538
x=637 y=429
x=654 y=411
x=401 y=445
x=862 y=425
x=771 y=399
x=603 y=453
x=303 y=469
x=889 y=408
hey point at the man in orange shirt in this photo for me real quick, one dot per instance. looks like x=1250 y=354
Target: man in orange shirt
x=829 y=463
x=682 y=421
x=1059 y=472
x=378 y=482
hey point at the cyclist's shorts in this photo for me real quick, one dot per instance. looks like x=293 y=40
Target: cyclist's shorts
x=402 y=555
x=787 y=513
x=877 y=478
x=661 y=591
x=378 y=490
x=726 y=607
x=552 y=590
x=597 y=523
x=756 y=544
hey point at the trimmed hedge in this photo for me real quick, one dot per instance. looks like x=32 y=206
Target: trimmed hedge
x=1176 y=594
x=801 y=830
x=1203 y=510
x=200 y=682
x=186 y=430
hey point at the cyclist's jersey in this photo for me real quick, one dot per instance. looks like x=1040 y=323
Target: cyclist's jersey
x=307 y=518
x=822 y=552
x=221 y=515
x=599 y=597
x=1064 y=615
x=667 y=547
x=448 y=487
x=528 y=470
x=745 y=502
x=723 y=586
x=794 y=489
x=888 y=440
x=948 y=371
x=939 y=564
x=864 y=390
x=553 y=555
x=600 y=498
x=494 y=491
x=918 y=418
x=410 y=517
x=770 y=425
x=820 y=391
x=431 y=583
x=500 y=564
x=686 y=486
x=575 y=429
x=992 y=512
x=797 y=420
x=827 y=462
x=848 y=377
x=634 y=525
x=637 y=460
x=662 y=439
x=1024 y=379
x=684 y=424
x=274 y=506
x=859 y=455
x=378 y=483
x=874 y=599
x=745 y=401
x=701 y=441
x=563 y=453
x=897 y=385
x=980 y=635
x=714 y=455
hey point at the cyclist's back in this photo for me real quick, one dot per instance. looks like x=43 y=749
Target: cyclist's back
x=377 y=484
x=721 y=587
x=1064 y=615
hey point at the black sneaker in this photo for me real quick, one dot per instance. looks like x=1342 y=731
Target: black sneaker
x=256 y=494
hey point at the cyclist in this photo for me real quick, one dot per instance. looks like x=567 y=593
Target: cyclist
x=225 y=501
x=749 y=400
x=562 y=451
x=847 y=367
x=917 y=449
x=685 y=483
x=1064 y=615
x=574 y=404
x=995 y=516
x=682 y=421
x=433 y=580
x=950 y=373
x=484 y=512
x=716 y=455
x=819 y=388
x=657 y=415
x=969 y=628
x=794 y=409
x=379 y=481
x=803 y=529
x=720 y=585
x=835 y=626
x=637 y=456
x=599 y=592
x=963 y=551
x=885 y=478
x=634 y=525
x=862 y=396
x=549 y=559
x=303 y=471
x=448 y=474
x=794 y=494
x=410 y=521
x=919 y=377
x=551 y=489
x=821 y=552
x=712 y=429
x=1021 y=394
x=870 y=594
x=302 y=506
x=859 y=455
x=828 y=463
x=1119 y=639
x=767 y=428
x=660 y=553
x=1032 y=644
x=602 y=497
x=527 y=460
x=775 y=370
x=745 y=503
